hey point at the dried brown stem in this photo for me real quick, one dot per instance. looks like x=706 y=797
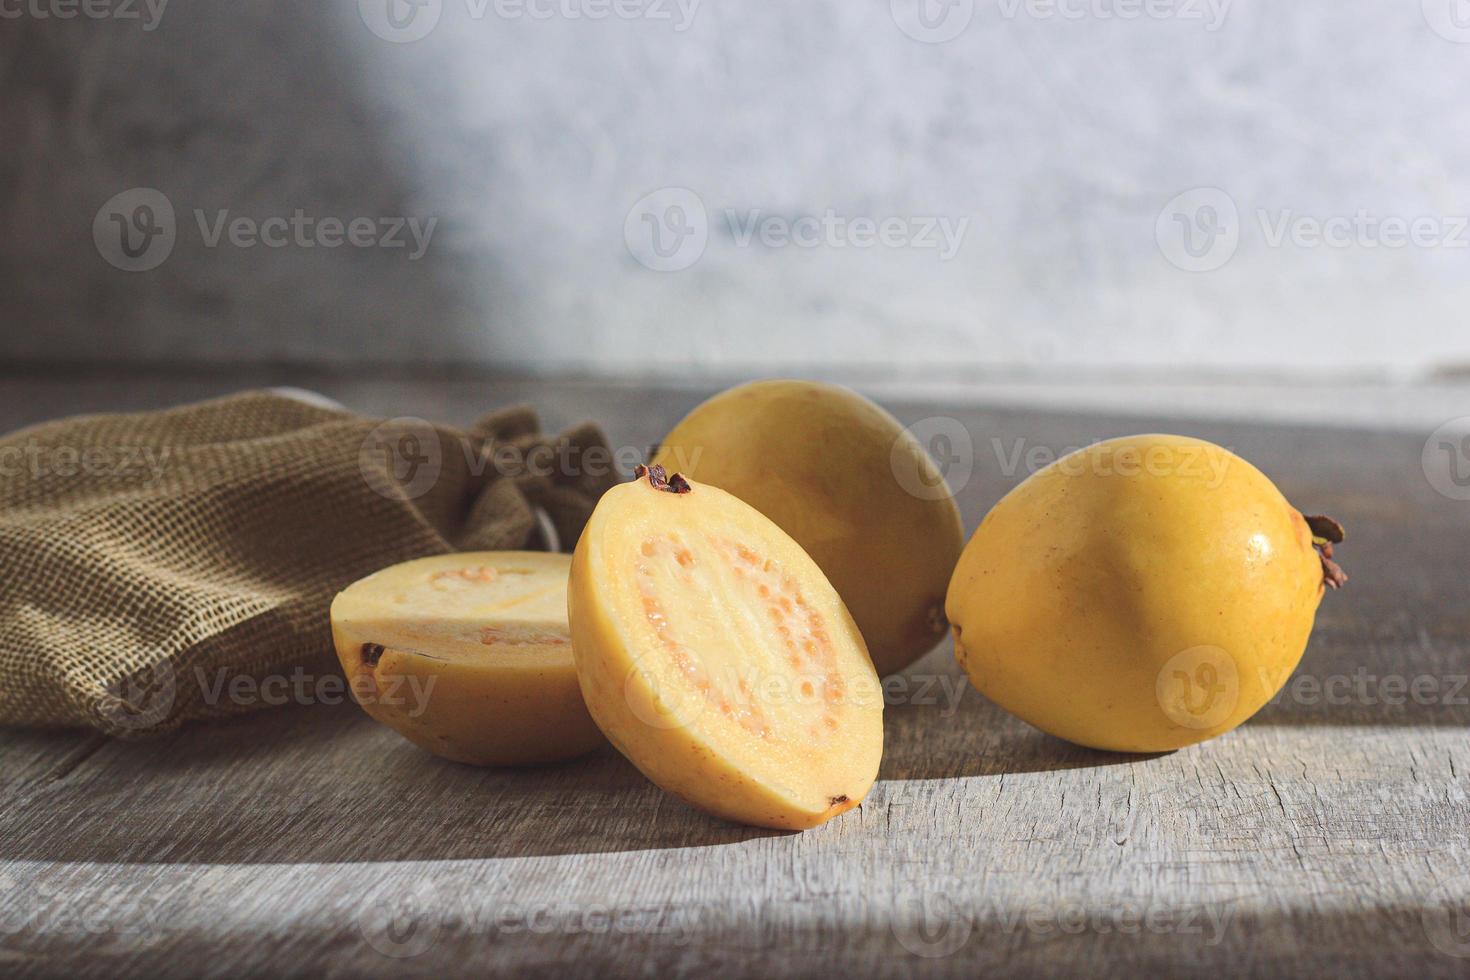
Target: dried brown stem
x=1327 y=532
x=1326 y=528
x=660 y=480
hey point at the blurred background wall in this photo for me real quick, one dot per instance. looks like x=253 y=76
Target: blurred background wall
x=894 y=188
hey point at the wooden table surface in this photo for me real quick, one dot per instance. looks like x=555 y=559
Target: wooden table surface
x=1327 y=834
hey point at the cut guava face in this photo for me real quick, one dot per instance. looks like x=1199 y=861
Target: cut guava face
x=716 y=656
x=468 y=655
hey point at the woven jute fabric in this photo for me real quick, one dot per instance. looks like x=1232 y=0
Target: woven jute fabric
x=148 y=561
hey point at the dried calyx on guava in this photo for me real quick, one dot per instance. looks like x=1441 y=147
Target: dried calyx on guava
x=660 y=480
x=1325 y=533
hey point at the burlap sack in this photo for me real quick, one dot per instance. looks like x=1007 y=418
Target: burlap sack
x=149 y=560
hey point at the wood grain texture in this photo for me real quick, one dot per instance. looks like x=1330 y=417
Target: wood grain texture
x=1327 y=834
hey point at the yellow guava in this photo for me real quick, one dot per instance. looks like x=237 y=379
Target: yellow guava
x=1141 y=594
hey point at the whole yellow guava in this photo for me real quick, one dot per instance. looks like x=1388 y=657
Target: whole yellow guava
x=1140 y=595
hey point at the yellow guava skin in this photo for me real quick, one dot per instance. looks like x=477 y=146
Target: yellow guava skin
x=825 y=464
x=1140 y=595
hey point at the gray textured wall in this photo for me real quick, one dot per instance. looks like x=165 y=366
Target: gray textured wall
x=1051 y=140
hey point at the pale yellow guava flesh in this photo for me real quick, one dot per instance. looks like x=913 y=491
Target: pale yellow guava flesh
x=716 y=656
x=469 y=656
